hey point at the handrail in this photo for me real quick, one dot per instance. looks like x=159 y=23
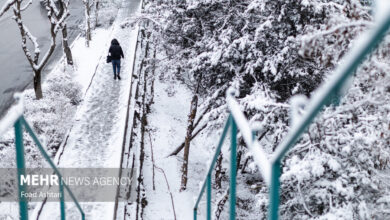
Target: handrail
x=270 y=168
x=215 y=157
x=230 y=123
x=259 y=156
x=15 y=117
x=367 y=43
x=43 y=152
x=331 y=89
x=236 y=120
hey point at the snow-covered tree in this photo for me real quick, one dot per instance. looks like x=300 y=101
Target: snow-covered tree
x=61 y=7
x=97 y=7
x=33 y=56
x=87 y=11
x=271 y=50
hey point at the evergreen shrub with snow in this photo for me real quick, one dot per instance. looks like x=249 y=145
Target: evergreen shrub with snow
x=271 y=50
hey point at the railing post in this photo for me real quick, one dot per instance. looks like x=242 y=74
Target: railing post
x=274 y=191
x=62 y=198
x=195 y=213
x=233 y=169
x=23 y=211
x=209 y=196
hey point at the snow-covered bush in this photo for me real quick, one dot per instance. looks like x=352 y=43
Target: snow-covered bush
x=218 y=42
x=51 y=117
x=271 y=50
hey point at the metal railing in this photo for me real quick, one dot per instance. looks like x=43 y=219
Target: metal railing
x=270 y=168
x=15 y=117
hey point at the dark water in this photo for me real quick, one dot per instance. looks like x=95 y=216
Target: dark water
x=15 y=71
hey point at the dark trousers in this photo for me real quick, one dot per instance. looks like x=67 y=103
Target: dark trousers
x=116 y=65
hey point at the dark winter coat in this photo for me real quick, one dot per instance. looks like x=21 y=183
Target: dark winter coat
x=116 y=50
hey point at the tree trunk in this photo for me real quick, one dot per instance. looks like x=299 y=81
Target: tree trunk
x=191 y=118
x=89 y=37
x=181 y=146
x=37 y=85
x=63 y=8
x=96 y=13
x=88 y=22
x=218 y=172
x=65 y=45
x=221 y=203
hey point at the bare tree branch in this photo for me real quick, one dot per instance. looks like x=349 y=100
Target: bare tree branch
x=181 y=146
x=169 y=189
x=56 y=23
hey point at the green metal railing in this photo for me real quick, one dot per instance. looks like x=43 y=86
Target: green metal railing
x=271 y=168
x=207 y=183
x=19 y=123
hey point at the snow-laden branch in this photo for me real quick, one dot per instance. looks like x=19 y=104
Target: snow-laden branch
x=334 y=29
x=53 y=32
x=23 y=8
x=23 y=32
x=142 y=17
x=57 y=19
x=53 y=6
x=34 y=41
x=303 y=199
x=333 y=4
x=6 y=6
x=60 y=23
x=363 y=46
x=56 y=24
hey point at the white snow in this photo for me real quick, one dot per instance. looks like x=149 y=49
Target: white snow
x=6 y=6
x=88 y=58
x=258 y=153
x=321 y=93
x=95 y=139
x=98 y=131
x=168 y=127
x=99 y=123
x=382 y=8
x=13 y=114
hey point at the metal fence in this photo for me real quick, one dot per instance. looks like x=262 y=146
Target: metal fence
x=15 y=117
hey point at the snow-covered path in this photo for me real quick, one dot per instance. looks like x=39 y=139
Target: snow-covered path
x=95 y=140
x=167 y=127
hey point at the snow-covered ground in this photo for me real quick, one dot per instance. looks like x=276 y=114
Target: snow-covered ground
x=167 y=124
x=94 y=135
x=95 y=141
x=167 y=127
x=93 y=114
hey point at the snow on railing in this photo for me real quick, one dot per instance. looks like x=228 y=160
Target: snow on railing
x=335 y=85
x=259 y=156
x=332 y=89
x=14 y=118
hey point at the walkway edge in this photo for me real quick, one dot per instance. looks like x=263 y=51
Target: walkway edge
x=127 y=118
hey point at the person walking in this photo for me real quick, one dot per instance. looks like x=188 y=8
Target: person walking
x=116 y=53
